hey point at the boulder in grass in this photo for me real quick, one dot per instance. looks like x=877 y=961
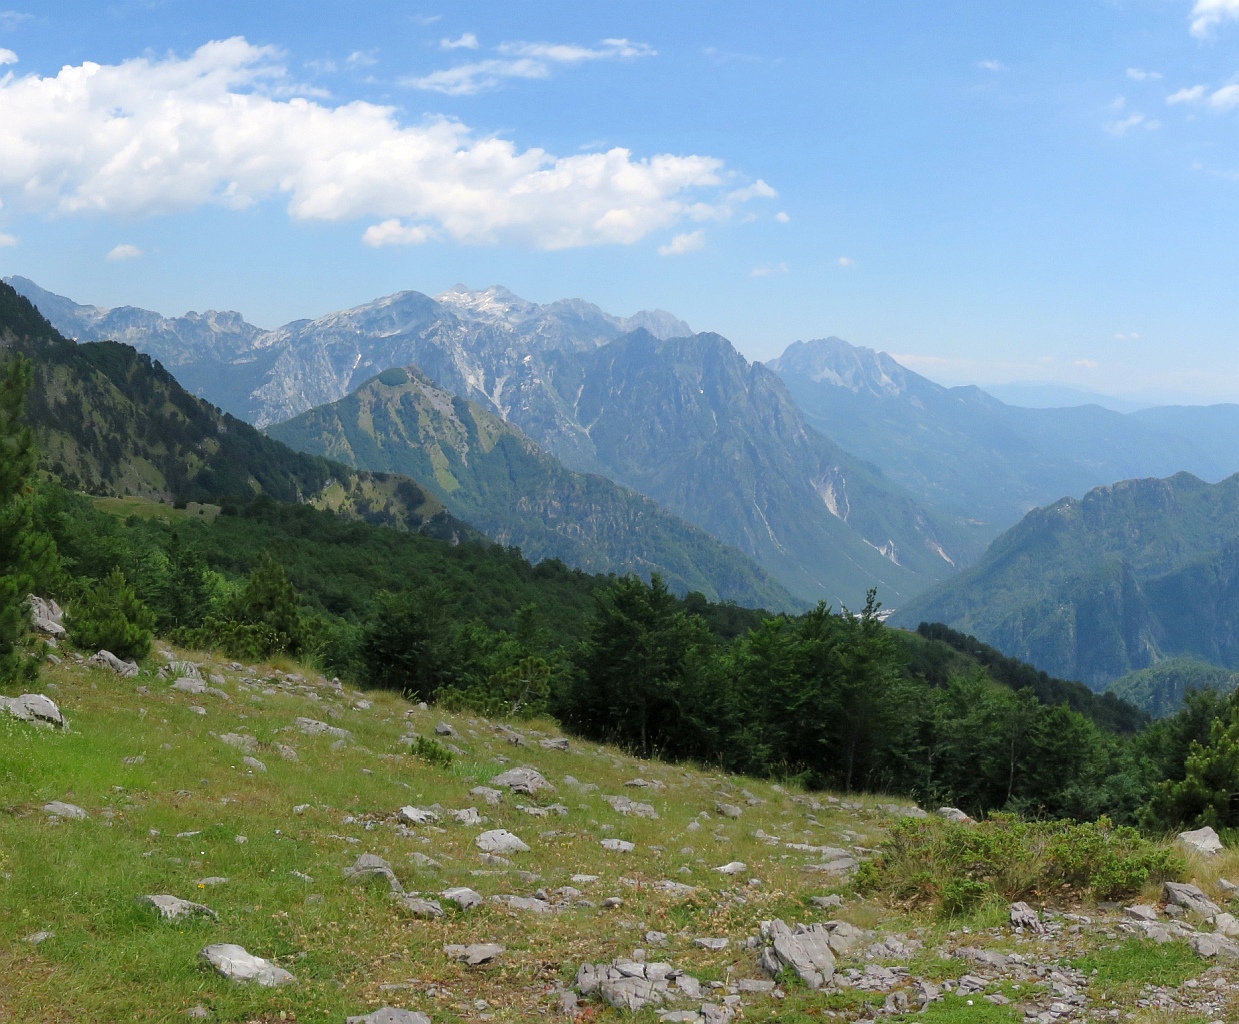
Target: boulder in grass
x=33 y=707
x=954 y=814
x=106 y=659
x=46 y=616
x=617 y=845
x=173 y=908
x=476 y=953
x=239 y=964
x=313 y=727
x=1190 y=898
x=1202 y=840
x=463 y=897
x=735 y=867
x=420 y=907
x=500 y=840
x=1024 y=916
x=417 y=815
x=1213 y=944
x=806 y=950
x=391 y=1015
x=368 y=866
x=523 y=780
x=60 y=809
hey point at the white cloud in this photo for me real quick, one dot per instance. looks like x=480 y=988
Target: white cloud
x=1208 y=13
x=1190 y=95
x=1087 y=364
x=467 y=41
x=769 y=271
x=146 y=136
x=1225 y=98
x=991 y=65
x=425 y=20
x=1133 y=336
x=7 y=57
x=392 y=232
x=680 y=244
x=523 y=60
x=782 y=217
x=124 y=251
x=1122 y=127
x=7 y=241
x=11 y=19
x=846 y=262
x=362 y=59
x=1140 y=75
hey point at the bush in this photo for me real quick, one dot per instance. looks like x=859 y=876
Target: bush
x=519 y=691
x=959 y=867
x=110 y=617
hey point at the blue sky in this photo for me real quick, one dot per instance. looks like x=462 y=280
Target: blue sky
x=990 y=191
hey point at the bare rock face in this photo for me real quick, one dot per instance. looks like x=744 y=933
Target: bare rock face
x=172 y=908
x=1202 y=840
x=239 y=964
x=806 y=950
x=33 y=707
x=523 y=780
x=46 y=616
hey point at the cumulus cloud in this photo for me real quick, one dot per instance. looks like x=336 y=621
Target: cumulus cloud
x=1126 y=124
x=362 y=59
x=124 y=251
x=467 y=41
x=11 y=19
x=1133 y=336
x=393 y=232
x=153 y=136
x=1206 y=14
x=1087 y=364
x=782 y=217
x=680 y=244
x=846 y=262
x=7 y=57
x=991 y=65
x=1192 y=94
x=1140 y=75
x=7 y=241
x=522 y=60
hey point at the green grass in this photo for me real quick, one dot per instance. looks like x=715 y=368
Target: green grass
x=956 y=1010
x=1142 y=960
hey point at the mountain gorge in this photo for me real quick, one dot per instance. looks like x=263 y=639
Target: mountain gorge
x=1095 y=588
x=960 y=450
x=491 y=475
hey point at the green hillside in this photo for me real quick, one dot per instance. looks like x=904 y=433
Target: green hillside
x=1160 y=689
x=489 y=474
x=1094 y=588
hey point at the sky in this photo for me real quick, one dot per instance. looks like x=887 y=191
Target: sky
x=991 y=192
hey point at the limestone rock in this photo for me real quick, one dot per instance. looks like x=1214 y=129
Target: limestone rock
x=420 y=907
x=253 y=762
x=443 y=729
x=417 y=815
x=558 y=743
x=1211 y=944
x=617 y=845
x=239 y=964
x=1190 y=898
x=1202 y=840
x=728 y=810
x=33 y=707
x=735 y=867
x=954 y=814
x=172 y=908
x=523 y=780
x=467 y=816
x=313 y=727
x=390 y=1015
x=240 y=742
x=714 y=945
x=475 y=953
x=626 y=806
x=463 y=897
x=1226 y=924
x=491 y=796
x=367 y=866
x=106 y=659
x=46 y=616
x=189 y=685
x=500 y=840
x=806 y=951
x=60 y=809
x=1023 y=916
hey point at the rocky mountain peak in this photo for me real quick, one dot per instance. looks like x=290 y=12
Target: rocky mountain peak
x=835 y=361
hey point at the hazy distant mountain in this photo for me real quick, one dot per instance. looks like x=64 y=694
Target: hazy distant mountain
x=491 y=475
x=962 y=450
x=1094 y=588
x=1161 y=689
x=1058 y=396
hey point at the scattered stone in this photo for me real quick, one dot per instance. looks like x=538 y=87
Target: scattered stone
x=423 y=861
x=728 y=810
x=286 y=752
x=532 y=903
x=106 y=659
x=826 y=902
x=253 y=762
x=46 y=616
x=735 y=867
x=198 y=1012
x=38 y=938
x=1226 y=924
x=237 y=963
x=567 y=1005
x=246 y=743
x=463 y=897
x=523 y=780
x=213 y=880
x=1023 y=916
x=617 y=845
x=954 y=814
x=302 y=808
x=390 y=1015
x=1202 y=840
x=417 y=815
x=368 y=866
x=60 y=809
x=443 y=729
x=491 y=796
x=188 y=685
x=312 y=727
x=1211 y=944
x=475 y=953
x=714 y=945
x=172 y=908
x=558 y=743
x=420 y=907
x=500 y=840
x=468 y=816
x=1190 y=898
x=806 y=951
x=33 y=707
x=612 y=902
x=626 y=806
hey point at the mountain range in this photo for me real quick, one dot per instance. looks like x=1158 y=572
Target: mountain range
x=681 y=418
x=1119 y=580
x=491 y=475
x=962 y=451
